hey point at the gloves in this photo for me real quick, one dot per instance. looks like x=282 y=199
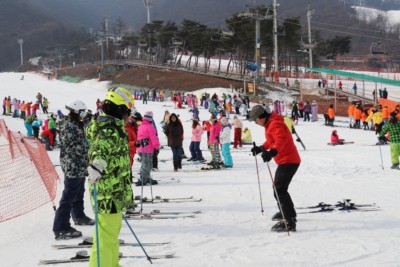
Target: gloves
x=268 y=155
x=257 y=150
x=298 y=140
x=96 y=170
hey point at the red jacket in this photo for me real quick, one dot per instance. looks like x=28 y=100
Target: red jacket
x=207 y=126
x=132 y=140
x=280 y=138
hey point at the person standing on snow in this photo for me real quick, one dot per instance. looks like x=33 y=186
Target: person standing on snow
x=174 y=132
x=237 y=128
x=225 y=138
x=74 y=163
x=393 y=127
x=197 y=133
x=147 y=142
x=214 y=142
x=280 y=146
x=247 y=138
x=109 y=168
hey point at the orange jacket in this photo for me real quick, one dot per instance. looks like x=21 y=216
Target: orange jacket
x=363 y=116
x=385 y=113
x=357 y=114
x=350 y=110
x=331 y=113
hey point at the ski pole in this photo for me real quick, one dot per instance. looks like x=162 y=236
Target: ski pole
x=150 y=179
x=96 y=215
x=380 y=150
x=258 y=177
x=301 y=142
x=137 y=239
x=277 y=199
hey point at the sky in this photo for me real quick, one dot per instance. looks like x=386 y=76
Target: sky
x=231 y=230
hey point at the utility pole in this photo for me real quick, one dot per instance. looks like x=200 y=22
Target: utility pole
x=258 y=52
x=21 y=42
x=106 y=35
x=310 y=13
x=275 y=29
x=257 y=18
x=147 y=4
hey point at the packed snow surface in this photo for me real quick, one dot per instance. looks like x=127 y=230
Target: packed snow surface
x=231 y=230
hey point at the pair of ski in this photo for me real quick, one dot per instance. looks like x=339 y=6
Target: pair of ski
x=211 y=168
x=157 y=214
x=340 y=206
x=158 y=199
x=82 y=256
x=341 y=143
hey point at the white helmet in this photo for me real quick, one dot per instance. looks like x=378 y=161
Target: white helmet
x=76 y=106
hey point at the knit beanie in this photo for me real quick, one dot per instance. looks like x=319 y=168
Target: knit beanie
x=148 y=115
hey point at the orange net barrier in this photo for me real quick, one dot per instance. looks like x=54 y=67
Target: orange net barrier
x=28 y=178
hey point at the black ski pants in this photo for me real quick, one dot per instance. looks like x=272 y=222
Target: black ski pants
x=283 y=176
x=71 y=204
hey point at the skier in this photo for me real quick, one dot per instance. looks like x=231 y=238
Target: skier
x=110 y=170
x=214 y=142
x=314 y=111
x=36 y=124
x=147 y=142
x=393 y=127
x=281 y=147
x=174 y=132
x=307 y=111
x=335 y=138
x=74 y=163
x=197 y=132
x=247 y=138
x=28 y=124
x=237 y=128
x=225 y=138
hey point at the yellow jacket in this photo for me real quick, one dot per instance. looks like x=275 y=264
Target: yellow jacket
x=289 y=123
x=376 y=117
x=247 y=136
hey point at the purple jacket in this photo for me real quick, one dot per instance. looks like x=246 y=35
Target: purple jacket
x=215 y=130
x=146 y=130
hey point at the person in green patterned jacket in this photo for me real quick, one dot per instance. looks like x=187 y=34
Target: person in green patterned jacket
x=393 y=127
x=109 y=168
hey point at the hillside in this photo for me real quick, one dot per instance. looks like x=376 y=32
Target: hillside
x=40 y=32
x=48 y=25
x=178 y=81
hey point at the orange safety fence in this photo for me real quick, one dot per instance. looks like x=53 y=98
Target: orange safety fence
x=389 y=103
x=28 y=178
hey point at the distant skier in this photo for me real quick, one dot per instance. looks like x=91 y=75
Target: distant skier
x=335 y=138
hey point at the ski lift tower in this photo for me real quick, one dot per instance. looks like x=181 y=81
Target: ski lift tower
x=147 y=4
x=310 y=13
x=21 y=42
x=254 y=15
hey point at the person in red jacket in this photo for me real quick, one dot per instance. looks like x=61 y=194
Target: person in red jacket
x=280 y=146
x=130 y=129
